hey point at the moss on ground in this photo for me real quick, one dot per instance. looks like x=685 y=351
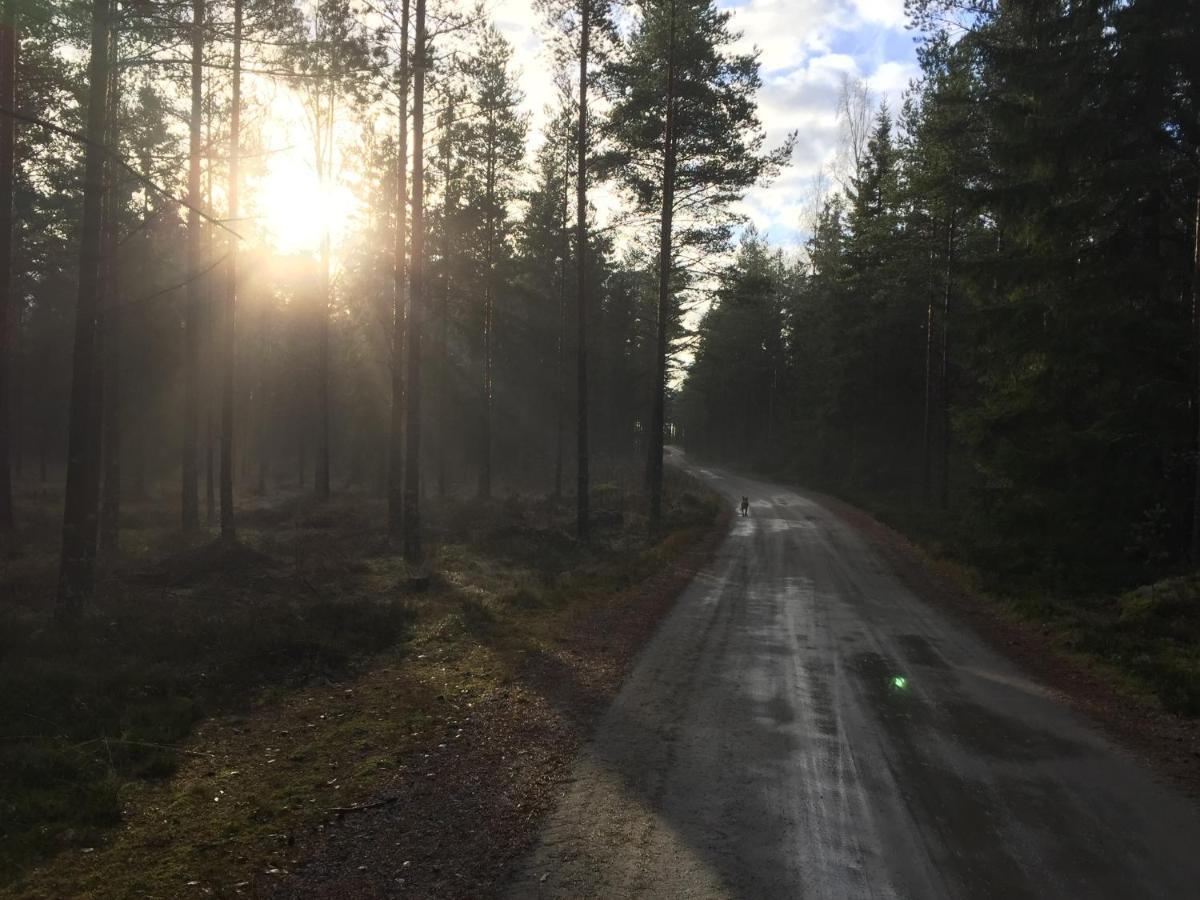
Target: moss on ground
x=217 y=699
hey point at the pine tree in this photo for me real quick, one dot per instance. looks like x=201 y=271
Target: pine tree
x=687 y=142
x=400 y=297
x=76 y=579
x=492 y=143
x=8 y=74
x=417 y=300
x=193 y=317
x=229 y=306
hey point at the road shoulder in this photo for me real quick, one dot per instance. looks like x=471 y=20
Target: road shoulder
x=1168 y=744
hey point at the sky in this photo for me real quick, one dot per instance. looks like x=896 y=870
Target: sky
x=806 y=48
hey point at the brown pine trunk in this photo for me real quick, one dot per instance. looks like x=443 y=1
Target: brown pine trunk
x=1196 y=338
x=321 y=473
x=654 y=470
x=927 y=421
x=77 y=568
x=582 y=489
x=485 y=441
x=263 y=405
x=8 y=64
x=443 y=393
x=190 y=501
x=560 y=383
x=944 y=381
x=228 y=325
x=110 y=327
x=400 y=310
x=208 y=352
x=412 y=473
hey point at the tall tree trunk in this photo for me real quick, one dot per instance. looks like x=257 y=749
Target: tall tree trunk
x=583 y=479
x=560 y=383
x=263 y=405
x=208 y=354
x=111 y=322
x=228 y=323
x=416 y=301
x=302 y=455
x=321 y=473
x=325 y=148
x=1196 y=339
x=8 y=67
x=443 y=340
x=485 y=440
x=19 y=408
x=658 y=410
x=192 y=317
x=77 y=569
x=400 y=309
x=944 y=381
x=927 y=421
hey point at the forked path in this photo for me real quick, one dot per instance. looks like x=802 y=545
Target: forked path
x=803 y=726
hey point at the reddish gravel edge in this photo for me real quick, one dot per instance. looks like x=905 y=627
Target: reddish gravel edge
x=462 y=816
x=1168 y=744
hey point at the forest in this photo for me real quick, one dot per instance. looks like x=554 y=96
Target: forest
x=332 y=377
x=311 y=349
x=993 y=330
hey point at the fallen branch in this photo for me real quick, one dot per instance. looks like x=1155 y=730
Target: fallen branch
x=362 y=807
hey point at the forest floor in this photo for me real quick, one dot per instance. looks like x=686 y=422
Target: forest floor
x=304 y=713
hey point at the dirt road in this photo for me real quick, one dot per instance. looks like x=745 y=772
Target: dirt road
x=803 y=726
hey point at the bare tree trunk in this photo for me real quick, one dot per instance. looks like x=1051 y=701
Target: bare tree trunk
x=583 y=479
x=443 y=384
x=443 y=339
x=400 y=310
x=8 y=66
x=263 y=405
x=208 y=355
x=944 y=474
x=192 y=318
x=485 y=440
x=412 y=473
x=927 y=423
x=77 y=568
x=325 y=147
x=228 y=324
x=111 y=321
x=19 y=408
x=658 y=410
x=560 y=383
x=1196 y=338
x=321 y=482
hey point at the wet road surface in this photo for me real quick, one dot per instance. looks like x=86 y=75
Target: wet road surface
x=803 y=726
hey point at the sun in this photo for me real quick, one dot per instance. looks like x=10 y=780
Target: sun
x=294 y=209
x=288 y=202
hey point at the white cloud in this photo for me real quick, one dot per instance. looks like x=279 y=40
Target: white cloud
x=806 y=48
x=892 y=78
x=889 y=13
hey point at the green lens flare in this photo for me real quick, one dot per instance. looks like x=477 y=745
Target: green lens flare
x=899 y=682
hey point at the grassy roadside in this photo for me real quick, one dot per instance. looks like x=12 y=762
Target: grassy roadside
x=219 y=712
x=1145 y=642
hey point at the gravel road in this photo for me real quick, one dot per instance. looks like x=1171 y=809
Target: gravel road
x=803 y=726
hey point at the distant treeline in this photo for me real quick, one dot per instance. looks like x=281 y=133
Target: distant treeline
x=998 y=314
